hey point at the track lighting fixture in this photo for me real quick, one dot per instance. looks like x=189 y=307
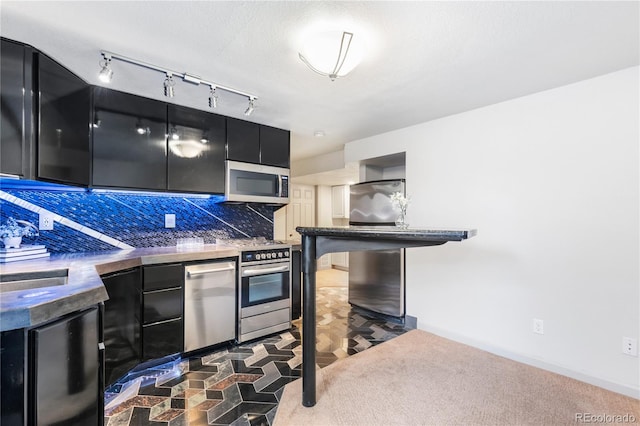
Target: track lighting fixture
x=250 y=108
x=106 y=73
x=213 y=98
x=168 y=86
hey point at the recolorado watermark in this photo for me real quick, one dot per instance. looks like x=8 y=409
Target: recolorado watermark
x=605 y=418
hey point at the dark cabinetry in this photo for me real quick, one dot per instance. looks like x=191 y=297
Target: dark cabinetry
x=243 y=141
x=196 y=150
x=255 y=143
x=161 y=310
x=274 y=146
x=64 y=133
x=129 y=141
x=16 y=129
x=51 y=373
x=121 y=324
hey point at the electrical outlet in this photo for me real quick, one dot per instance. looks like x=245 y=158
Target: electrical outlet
x=169 y=220
x=629 y=346
x=538 y=326
x=45 y=222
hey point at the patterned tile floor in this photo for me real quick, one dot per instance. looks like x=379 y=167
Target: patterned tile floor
x=241 y=385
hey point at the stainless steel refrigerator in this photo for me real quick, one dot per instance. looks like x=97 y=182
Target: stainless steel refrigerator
x=376 y=278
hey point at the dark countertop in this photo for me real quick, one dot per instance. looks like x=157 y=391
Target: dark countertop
x=26 y=308
x=389 y=233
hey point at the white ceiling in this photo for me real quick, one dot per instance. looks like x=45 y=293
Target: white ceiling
x=425 y=59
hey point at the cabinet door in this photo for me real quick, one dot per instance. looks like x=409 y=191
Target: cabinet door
x=196 y=150
x=121 y=324
x=340 y=202
x=15 y=97
x=162 y=339
x=129 y=141
x=66 y=371
x=274 y=146
x=160 y=277
x=243 y=141
x=64 y=134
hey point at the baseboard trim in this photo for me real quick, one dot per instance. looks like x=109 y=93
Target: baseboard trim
x=596 y=381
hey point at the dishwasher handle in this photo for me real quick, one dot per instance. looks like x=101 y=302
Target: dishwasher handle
x=210 y=271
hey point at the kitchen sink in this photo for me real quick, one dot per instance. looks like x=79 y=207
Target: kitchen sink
x=33 y=280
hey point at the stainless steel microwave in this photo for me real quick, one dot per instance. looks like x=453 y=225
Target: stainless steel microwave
x=256 y=183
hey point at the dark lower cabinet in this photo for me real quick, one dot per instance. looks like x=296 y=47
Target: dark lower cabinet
x=63 y=133
x=161 y=310
x=121 y=324
x=52 y=374
x=161 y=339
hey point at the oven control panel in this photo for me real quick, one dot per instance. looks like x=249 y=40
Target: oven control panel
x=268 y=254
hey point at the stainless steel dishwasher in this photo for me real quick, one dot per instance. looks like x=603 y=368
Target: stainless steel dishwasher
x=209 y=304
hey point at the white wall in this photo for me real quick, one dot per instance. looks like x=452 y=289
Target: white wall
x=551 y=182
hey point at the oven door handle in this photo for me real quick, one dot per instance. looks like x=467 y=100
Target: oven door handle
x=252 y=272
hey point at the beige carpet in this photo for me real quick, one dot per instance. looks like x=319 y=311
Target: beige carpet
x=422 y=379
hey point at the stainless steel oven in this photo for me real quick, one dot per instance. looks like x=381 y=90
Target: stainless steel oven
x=264 y=302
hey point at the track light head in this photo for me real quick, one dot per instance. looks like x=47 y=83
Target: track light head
x=168 y=86
x=213 y=98
x=250 y=108
x=106 y=73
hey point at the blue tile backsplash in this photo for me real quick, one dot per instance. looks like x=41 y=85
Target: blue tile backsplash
x=136 y=219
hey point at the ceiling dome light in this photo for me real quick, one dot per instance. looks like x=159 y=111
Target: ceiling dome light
x=332 y=53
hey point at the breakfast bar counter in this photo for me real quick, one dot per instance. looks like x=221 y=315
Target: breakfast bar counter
x=318 y=241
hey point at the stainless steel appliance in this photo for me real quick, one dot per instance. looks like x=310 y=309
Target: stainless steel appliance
x=255 y=183
x=209 y=304
x=264 y=282
x=376 y=278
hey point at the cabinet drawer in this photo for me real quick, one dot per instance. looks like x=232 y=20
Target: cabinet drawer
x=162 y=339
x=161 y=305
x=162 y=276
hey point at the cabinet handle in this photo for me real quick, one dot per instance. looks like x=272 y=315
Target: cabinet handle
x=210 y=271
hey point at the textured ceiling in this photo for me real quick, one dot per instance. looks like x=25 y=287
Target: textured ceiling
x=425 y=59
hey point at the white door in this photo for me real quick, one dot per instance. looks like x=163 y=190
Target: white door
x=299 y=212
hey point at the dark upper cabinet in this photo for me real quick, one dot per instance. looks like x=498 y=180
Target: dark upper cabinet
x=243 y=141
x=16 y=130
x=64 y=133
x=129 y=141
x=274 y=146
x=196 y=152
x=255 y=143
